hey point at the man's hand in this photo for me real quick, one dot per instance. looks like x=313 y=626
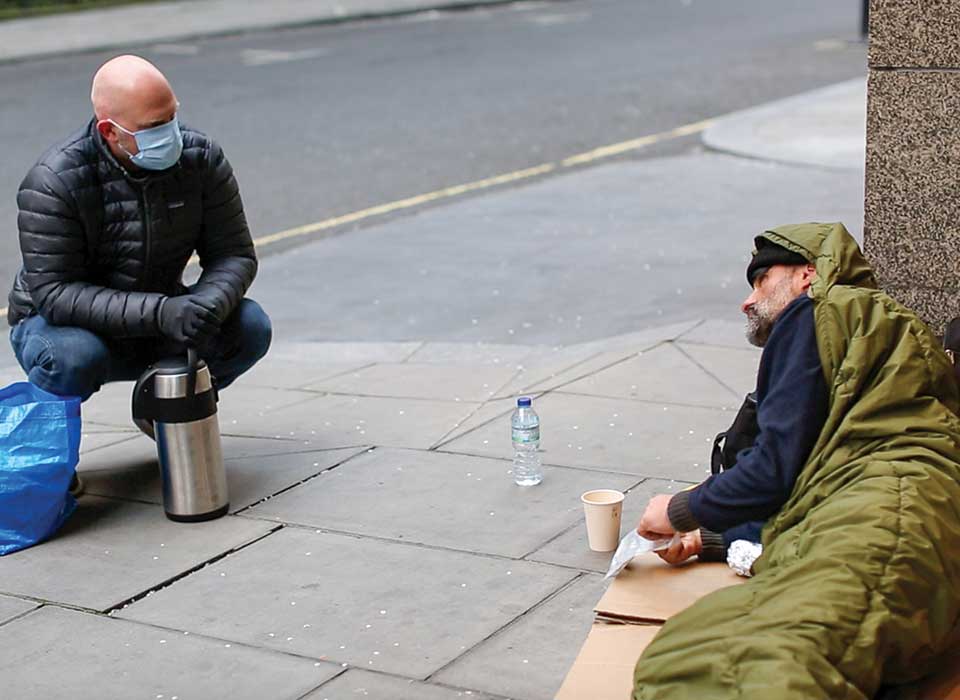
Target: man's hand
x=189 y=320
x=688 y=545
x=655 y=524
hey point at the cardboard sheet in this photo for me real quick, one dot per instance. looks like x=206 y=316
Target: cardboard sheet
x=943 y=685
x=650 y=590
x=604 y=668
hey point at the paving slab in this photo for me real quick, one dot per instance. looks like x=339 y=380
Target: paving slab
x=249 y=479
x=825 y=128
x=241 y=403
x=490 y=411
x=93 y=428
x=110 y=551
x=442 y=500
x=529 y=659
x=110 y=406
x=735 y=367
x=240 y=446
x=562 y=366
x=640 y=339
x=330 y=421
x=588 y=367
x=663 y=373
x=377 y=605
x=571 y=548
x=286 y=374
x=68 y=654
x=362 y=684
x=558 y=368
x=100 y=439
x=618 y=435
x=421 y=381
x=719 y=332
x=122 y=470
x=471 y=354
x=324 y=353
x=137 y=452
x=11 y=607
x=254 y=478
x=11 y=374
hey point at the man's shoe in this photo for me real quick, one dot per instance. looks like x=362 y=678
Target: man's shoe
x=77 y=487
x=145 y=427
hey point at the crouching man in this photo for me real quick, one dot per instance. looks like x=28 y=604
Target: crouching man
x=855 y=473
x=108 y=220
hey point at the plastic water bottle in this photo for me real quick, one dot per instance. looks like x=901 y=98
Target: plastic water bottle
x=525 y=425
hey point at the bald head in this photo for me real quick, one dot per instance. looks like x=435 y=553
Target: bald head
x=129 y=94
x=133 y=92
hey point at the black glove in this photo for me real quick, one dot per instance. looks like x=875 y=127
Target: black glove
x=189 y=320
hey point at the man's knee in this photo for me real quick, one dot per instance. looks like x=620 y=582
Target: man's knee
x=79 y=370
x=245 y=339
x=255 y=328
x=62 y=360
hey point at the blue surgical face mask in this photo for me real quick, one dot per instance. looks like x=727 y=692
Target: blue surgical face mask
x=158 y=148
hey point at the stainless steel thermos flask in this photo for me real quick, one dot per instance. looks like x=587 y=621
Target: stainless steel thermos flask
x=180 y=400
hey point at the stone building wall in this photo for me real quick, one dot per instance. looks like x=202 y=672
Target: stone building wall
x=912 y=204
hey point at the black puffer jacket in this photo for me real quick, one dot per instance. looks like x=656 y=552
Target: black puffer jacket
x=103 y=248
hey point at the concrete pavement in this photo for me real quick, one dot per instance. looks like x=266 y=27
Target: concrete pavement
x=376 y=543
x=153 y=22
x=826 y=128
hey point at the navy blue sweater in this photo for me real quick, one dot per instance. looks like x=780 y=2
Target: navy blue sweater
x=792 y=402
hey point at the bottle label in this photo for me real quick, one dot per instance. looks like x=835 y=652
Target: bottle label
x=526 y=435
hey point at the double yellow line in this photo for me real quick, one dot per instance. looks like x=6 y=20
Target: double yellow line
x=580 y=159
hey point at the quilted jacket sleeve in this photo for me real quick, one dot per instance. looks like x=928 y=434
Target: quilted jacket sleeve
x=225 y=248
x=54 y=246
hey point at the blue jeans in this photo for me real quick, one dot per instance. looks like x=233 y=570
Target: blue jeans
x=70 y=361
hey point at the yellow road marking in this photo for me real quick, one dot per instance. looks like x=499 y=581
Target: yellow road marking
x=617 y=149
x=407 y=203
x=596 y=154
x=602 y=153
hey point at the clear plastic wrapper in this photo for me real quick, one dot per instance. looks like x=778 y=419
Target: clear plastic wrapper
x=632 y=545
x=741 y=554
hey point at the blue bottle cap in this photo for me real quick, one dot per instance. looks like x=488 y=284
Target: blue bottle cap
x=523 y=401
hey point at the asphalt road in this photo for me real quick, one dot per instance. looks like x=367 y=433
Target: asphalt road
x=322 y=121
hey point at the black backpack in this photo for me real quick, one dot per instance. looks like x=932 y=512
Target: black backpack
x=739 y=436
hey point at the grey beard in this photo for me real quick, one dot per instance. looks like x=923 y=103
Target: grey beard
x=758 y=328
x=762 y=315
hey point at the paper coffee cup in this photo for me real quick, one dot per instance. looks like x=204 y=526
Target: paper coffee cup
x=602 y=509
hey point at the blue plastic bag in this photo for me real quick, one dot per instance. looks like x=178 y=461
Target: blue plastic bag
x=39 y=451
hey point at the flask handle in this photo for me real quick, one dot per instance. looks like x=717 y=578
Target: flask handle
x=193 y=362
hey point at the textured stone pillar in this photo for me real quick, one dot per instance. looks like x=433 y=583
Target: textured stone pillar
x=912 y=205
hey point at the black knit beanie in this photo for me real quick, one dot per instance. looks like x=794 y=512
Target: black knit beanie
x=769 y=254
